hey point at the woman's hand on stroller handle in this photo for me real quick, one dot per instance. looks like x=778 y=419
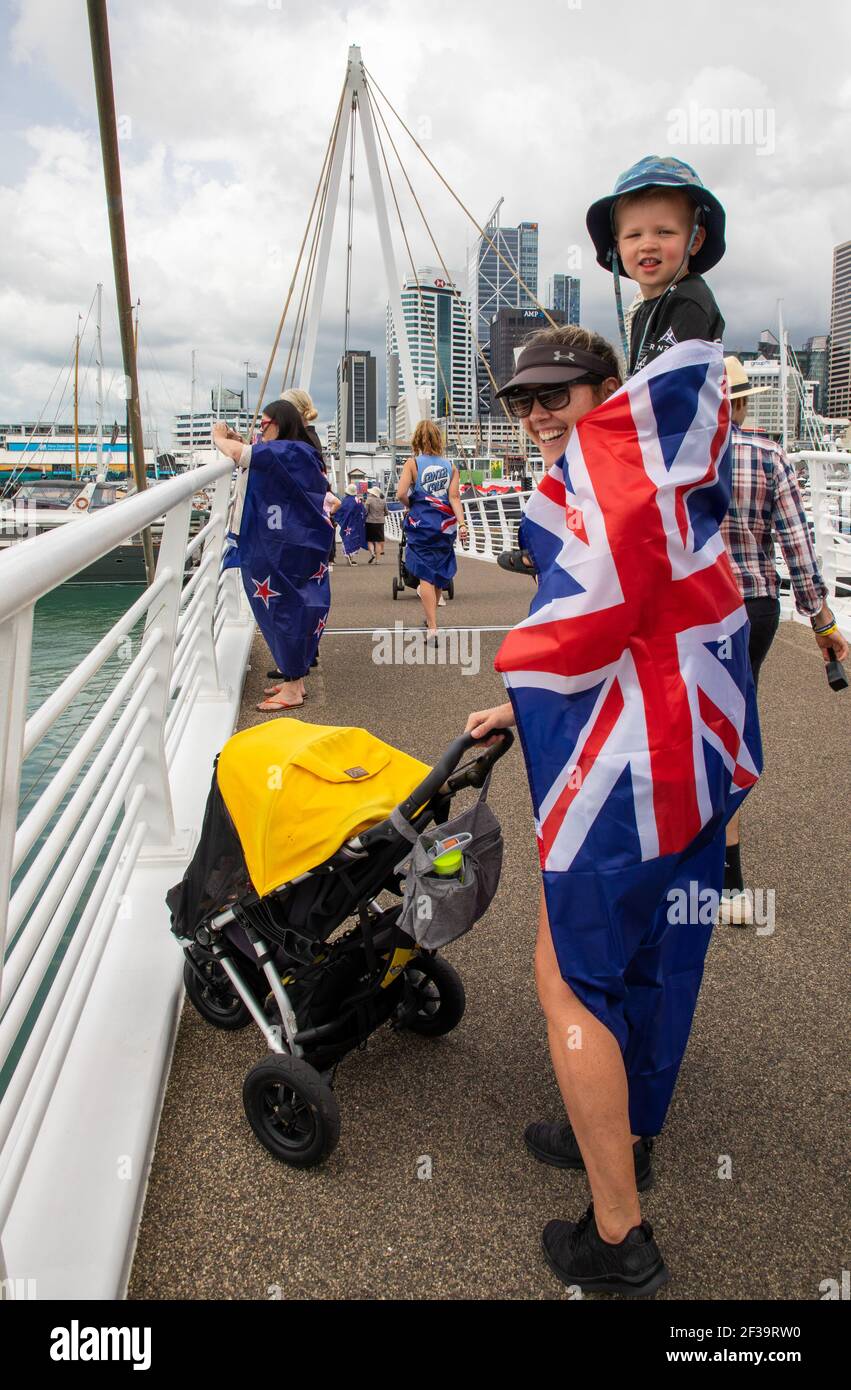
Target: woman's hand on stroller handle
x=484 y=726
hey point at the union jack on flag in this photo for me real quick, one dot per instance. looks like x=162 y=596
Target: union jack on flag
x=630 y=678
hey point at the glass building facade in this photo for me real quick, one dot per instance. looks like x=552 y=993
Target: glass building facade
x=435 y=316
x=839 y=383
x=496 y=262
x=563 y=295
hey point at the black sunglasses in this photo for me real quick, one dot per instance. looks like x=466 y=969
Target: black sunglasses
x=557 y=397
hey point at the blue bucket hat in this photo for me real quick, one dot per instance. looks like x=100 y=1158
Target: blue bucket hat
x=653 y=171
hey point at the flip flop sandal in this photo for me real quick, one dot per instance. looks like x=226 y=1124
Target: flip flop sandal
x=275 y=707
x=514 y=561
x=273 y=690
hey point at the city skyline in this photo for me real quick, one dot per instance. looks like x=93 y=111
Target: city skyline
x=216 y=193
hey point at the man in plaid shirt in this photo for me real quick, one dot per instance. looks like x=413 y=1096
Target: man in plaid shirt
x=765 y=499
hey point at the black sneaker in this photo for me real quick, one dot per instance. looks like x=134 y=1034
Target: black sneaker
x=577 y=1254
x=274 y=674
x=556 y=1144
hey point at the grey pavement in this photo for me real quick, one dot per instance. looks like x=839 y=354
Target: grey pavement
x=762 y=1092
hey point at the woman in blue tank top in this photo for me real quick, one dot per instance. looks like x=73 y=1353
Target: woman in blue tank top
x=429 y=489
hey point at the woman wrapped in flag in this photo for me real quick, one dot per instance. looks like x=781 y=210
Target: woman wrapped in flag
x=283 y=542
x=631 y=689
x=351 y=519
x=428 y=486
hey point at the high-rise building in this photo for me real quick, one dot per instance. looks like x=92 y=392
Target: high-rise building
x=508 y=332
x=839 y=383
x=563 y=295
x=362 y=408
x=435 y=316
x=814 y=360
x=498 y=258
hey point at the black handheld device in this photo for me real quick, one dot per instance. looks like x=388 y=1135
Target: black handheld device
x=836 y=677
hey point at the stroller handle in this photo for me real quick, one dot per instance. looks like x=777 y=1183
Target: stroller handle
x=441 y=773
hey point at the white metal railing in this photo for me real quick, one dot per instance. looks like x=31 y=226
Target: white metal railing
x=122 y=805
x=829 y=512
x=493 y=523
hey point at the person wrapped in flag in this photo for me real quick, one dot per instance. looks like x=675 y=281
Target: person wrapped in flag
x=429 y=488
x=351 y=519
x=282 y=545
x=631 y=689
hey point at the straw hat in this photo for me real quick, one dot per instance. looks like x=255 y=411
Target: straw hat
x=739 y=381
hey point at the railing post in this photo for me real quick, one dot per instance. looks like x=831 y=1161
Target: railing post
x=504 y=528
x=486 y=530
x=15 y=652
x=157 y=809
x=212 y=554
x=819 y=502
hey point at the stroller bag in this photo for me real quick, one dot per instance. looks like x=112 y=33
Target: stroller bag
x=438 y=910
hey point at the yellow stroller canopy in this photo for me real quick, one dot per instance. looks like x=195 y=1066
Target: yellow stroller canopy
x=295 y=792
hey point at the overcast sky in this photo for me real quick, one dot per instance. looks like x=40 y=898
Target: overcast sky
x=226 y=107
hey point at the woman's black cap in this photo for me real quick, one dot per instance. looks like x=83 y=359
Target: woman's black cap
x=547 y=364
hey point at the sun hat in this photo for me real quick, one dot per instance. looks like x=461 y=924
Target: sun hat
x=545 y=364
x=352 y=490
x=374 y=491
x=656 y=171
x=739 y=382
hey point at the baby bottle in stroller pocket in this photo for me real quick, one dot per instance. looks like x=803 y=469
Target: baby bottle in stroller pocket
x=447 y=856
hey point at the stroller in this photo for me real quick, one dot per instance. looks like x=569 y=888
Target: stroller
x=405 y=579
x=279 y=916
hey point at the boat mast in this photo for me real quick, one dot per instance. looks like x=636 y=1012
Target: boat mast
x=102 y=65
x=77 y=402
x=192 y=409
x=100 y=470
x=783 y=375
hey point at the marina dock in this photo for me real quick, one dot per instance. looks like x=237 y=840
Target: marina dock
x=430 y=1193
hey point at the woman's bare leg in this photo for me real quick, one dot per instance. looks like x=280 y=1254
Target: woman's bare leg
x=428 y=599
x=589 y=1069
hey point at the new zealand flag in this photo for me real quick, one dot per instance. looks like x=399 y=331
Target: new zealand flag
x=282 y=551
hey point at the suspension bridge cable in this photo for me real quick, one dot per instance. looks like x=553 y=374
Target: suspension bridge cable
x=306 y=288
x=515 y=275
x=423 y=311
x=332 y=141
x=349 y=227
x=467 y=317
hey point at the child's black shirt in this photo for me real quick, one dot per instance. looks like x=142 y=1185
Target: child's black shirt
x=686 y=311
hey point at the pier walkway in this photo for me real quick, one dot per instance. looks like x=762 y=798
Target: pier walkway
x=763 y=1082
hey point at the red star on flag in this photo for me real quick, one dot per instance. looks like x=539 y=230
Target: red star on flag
x=320 y=626
x=264 y=589
x=320 y=573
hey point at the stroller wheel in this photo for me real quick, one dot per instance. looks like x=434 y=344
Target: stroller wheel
x=395 y=587
x=215 y=1000
x=293 y=1112
x=450 y=592
x=439 y=1000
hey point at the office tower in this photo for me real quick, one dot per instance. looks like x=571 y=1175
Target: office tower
x=839 y=382
x=434 y=316
x=497 y=259
x=508 y=332
x=362 y=408
x=563 y=295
